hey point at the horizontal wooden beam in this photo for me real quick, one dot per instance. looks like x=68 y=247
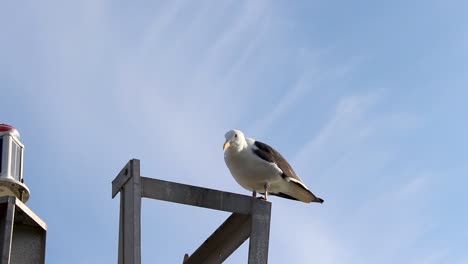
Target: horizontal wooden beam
x=196 y=196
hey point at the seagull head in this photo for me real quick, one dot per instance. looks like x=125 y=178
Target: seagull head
x=235 y=140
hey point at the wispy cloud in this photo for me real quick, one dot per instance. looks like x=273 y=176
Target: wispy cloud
x=302 y=86
x=347 y=127
x=343 y=163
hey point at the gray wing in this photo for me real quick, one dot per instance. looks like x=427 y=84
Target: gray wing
x=301 y=193
x=270 y=154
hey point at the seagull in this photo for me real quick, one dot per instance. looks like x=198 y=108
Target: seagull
x=260 y=168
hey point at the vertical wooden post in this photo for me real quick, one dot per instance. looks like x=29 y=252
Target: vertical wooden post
x=130 y=214
x=260 y=232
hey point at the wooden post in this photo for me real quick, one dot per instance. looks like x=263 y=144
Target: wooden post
x=260 y=234
x=128 y=182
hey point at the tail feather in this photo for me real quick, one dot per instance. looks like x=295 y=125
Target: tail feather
x=299 y=192
x=282 y=195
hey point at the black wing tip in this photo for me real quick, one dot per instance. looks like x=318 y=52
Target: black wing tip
x=319 y=200
x=283 y=195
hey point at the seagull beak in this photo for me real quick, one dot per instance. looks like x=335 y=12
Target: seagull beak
x=226 y=144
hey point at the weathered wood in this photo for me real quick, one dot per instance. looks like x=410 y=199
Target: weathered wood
x=260 y=233
x=130 y=216
x=251 y=217
x=120 y=257
x=196 y=196
x=123 y=176
x=225 y=240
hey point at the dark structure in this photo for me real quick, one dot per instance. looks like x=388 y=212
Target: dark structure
x=22 y=232
x=250 y=217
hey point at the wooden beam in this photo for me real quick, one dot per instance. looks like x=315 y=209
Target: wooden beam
x=129 y=185
x=196 y=196
x=260 y=234
x=123 y=176
x=224 y=241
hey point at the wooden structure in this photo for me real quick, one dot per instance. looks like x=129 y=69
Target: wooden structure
x=250 y=217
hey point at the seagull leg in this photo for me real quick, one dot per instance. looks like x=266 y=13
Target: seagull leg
x=267 y=186
x=254 y=194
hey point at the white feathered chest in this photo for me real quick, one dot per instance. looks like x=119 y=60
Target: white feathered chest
x=250 y=171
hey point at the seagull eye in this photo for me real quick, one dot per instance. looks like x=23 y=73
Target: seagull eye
x=235 y=135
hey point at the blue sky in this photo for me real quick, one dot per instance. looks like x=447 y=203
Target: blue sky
x=367 y=99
